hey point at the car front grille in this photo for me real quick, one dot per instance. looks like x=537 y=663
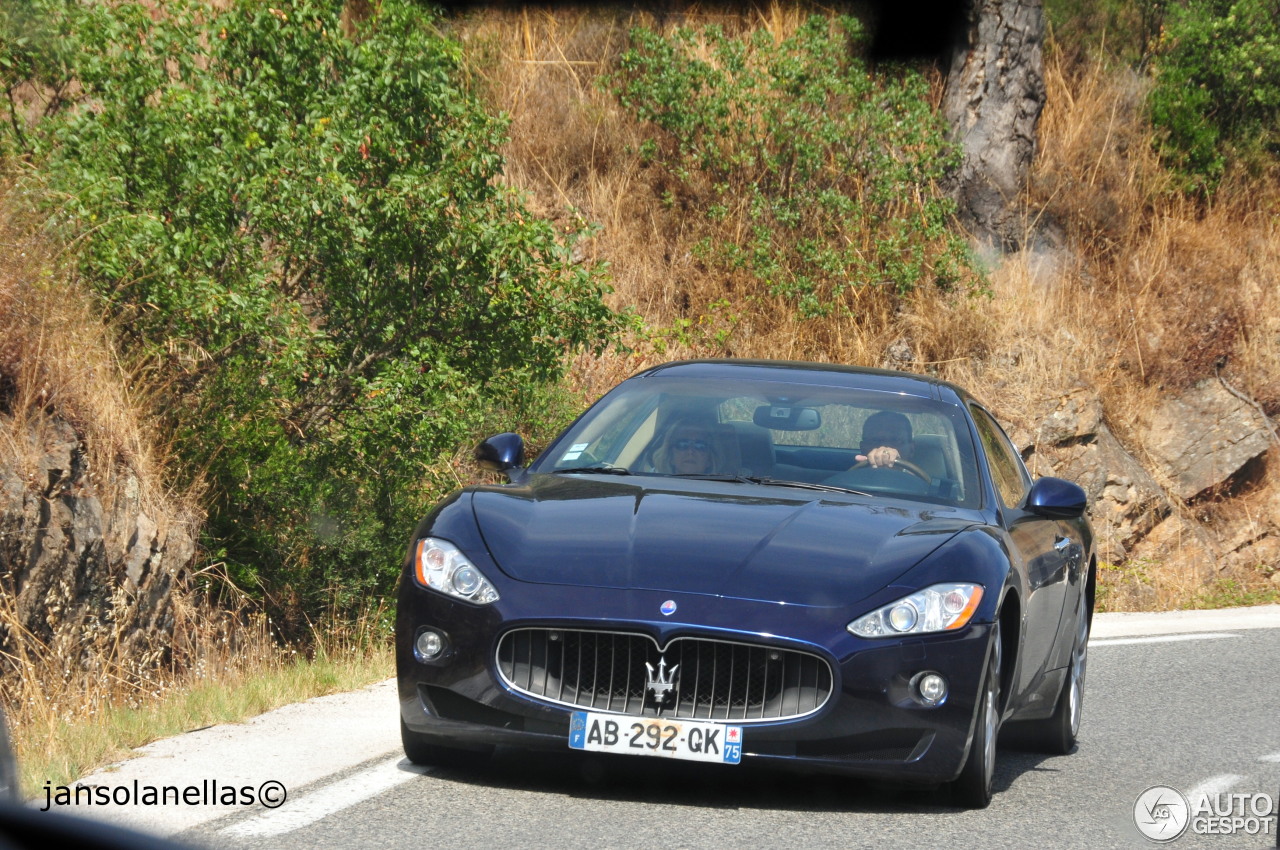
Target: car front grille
x=708 y=679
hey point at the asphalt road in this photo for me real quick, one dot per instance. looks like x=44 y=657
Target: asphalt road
x=1190 y=701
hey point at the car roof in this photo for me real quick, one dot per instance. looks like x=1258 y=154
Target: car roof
x=811 y=374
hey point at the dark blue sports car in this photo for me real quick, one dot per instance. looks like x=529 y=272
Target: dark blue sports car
x=823 y=567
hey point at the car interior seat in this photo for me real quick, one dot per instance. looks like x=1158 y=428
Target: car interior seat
x=755 y=446
x=931 y=456
x=728 y=456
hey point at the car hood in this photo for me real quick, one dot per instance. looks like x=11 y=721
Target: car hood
x=721 y=538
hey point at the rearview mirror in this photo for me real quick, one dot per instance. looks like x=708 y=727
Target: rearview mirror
x=781 y=417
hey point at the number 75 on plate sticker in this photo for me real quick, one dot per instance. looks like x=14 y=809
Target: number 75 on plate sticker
x=692 y=740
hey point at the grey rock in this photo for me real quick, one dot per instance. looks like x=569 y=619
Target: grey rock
x=899 y=355
x=1078 y=416
x=1193 y=443
x=1202 y=438
x=1177 y=539
x=1260 y=554
x=140 y=549
x=1125 y=502
x=86 y=579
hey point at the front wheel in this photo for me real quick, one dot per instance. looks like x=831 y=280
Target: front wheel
x=1057 y=735
x=972 y=788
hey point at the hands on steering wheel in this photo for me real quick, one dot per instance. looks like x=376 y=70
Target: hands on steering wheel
x=898 y=463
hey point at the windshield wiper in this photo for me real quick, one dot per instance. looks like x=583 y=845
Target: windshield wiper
x=778 y=482
x=712 y=476
x=805 y=485
x=606 y=470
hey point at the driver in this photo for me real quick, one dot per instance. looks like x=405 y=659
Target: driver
x=886 y=438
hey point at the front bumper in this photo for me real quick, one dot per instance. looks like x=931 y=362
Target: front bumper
x=871 y=726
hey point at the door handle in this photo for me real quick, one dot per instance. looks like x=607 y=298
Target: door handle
x=1062 y=545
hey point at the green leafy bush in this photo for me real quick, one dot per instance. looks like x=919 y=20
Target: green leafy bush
x=1121 y=29
x=812 y=174
x=305 y=232
x=1217 y=85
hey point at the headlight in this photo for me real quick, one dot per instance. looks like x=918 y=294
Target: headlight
x=440 y=566
x=939 y=608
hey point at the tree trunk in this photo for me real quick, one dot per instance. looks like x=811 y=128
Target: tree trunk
x=994 y=95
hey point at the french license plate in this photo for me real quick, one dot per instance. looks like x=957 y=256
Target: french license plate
x=693 y=740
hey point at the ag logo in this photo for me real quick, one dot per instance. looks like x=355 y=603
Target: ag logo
x=1161 y=813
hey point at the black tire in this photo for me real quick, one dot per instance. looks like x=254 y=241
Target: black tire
x=419 y=751
x=972 y=788
x=1057 y=734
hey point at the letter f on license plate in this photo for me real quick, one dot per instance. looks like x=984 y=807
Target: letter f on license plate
x=691 y=740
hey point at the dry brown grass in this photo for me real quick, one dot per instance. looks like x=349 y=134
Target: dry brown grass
x=571 y=149
x=71 y=712
x=1131 y=289
x=56 y=354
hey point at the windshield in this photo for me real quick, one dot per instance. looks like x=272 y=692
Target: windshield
x=773 y=433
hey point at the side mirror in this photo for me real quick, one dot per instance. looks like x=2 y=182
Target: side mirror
x=502 y=453
x=1056 y=498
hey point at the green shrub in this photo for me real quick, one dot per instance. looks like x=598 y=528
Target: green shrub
x=1105 y=29
x=305 y=232
x=1217 y=86
x=811 y=173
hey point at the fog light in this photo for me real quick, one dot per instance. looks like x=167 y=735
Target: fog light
x=931 y=688
x=428 y=645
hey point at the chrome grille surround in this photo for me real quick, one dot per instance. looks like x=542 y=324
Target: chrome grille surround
x=718 y=679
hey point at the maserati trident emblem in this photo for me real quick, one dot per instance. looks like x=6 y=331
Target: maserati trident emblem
x=661 y=683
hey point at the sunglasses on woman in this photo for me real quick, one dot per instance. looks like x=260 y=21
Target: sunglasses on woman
x=686 y=445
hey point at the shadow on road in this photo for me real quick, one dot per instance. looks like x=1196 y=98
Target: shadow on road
x=747 y=786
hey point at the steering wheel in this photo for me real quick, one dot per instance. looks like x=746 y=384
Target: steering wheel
x=904 y=465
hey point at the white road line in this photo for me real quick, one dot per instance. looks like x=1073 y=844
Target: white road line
x=1217 y=785
x=1274 y=757
x=1120 y=625
x=1159 y=639
x=297 y=813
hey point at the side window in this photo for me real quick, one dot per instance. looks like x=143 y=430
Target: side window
x=1007 y=471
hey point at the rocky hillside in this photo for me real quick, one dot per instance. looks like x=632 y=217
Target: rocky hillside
x=1125 y=329
x=83 y=567
x=97 y=553
x=1199 y=497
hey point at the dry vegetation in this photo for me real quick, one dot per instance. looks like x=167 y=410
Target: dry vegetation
x=1125 y=287
x=56 y=356
x=84 y=697
x=67 y=719
x=1128 y=289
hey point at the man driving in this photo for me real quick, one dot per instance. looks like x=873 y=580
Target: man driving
x=886 y=438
